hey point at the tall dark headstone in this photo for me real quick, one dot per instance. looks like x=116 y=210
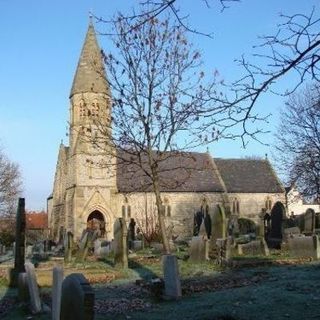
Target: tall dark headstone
x=120 y=243
x=19 y=252
x=131 y=233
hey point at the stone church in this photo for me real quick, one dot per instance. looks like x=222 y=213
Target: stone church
x=84 y=193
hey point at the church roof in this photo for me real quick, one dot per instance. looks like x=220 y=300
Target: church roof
x=90 y=74
x=179 y=172
x=248 y=176
x=199 y=172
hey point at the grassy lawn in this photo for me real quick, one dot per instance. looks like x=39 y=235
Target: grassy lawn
x=275 y=287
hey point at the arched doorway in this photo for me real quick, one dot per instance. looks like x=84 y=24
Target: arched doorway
x=96 y=221
x=276 y=218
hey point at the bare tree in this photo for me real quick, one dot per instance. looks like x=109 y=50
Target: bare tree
x=160 y=98
x=294 y=51
x=10 y=185
x=298 y=141
x=151 y=9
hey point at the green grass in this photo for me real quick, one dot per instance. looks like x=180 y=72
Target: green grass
x=209 y=304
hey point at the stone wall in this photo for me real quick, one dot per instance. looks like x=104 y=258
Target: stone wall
x=252 y=203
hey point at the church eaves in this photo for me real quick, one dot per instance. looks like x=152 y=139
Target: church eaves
x=90 y=74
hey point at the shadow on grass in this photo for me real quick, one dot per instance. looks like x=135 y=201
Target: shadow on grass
x=143 y=272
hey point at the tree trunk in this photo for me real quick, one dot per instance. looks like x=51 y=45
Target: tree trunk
x=162 y=225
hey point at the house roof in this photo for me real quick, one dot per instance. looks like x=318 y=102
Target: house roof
x=248 y=176
x=36 y=220
x=179 y=172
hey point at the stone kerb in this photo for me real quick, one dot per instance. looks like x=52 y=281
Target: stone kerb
x=77 y=299
x=303 y=247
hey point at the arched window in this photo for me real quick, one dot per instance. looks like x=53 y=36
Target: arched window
x=126 y=209
x=268 y=204
x=204 y=209
x=95 y=107
x=167 y=207
x=82 y=109
x=235 y=206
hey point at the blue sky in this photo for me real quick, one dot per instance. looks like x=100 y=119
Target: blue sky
x=40 y=47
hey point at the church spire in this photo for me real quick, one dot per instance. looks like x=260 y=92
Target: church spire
x=90 y=74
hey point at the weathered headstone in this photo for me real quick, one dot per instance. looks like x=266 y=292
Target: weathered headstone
x=223 y=246
x=33 y=288
x=307 y=246
x=23 y=290
x=137 y=245
x=218 y=230
x=309 y=222
x=120 y=243
x=57 y=275
x=19 y=247
x=253 y=248
x=89 y=236
x=77 y=299
x=291 y=232
x=131 y=233
x=68 y=246
x=29 y=251
x=202 y=230
x=199 y=249
x=207 y=224
x=97 y=247
x=171 y=276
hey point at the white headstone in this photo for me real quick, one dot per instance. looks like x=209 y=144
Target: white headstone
x=33 y=288
x=56 y=292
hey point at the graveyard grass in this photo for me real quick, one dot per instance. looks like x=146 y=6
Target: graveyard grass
x=276 y=287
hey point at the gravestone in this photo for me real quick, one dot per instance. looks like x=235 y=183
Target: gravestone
x=97 y=247
x=23 y=290
x=172 y=285
x=87 y=239
x=202 y=230
x=197 y=221
x=33 y=288
x=254 y=248
x=274 y=226
x=77 y=298
x=305 y=246
x=199 y=249
x=309 y=222
x=57 y=275
x=120 y=243
x=68 y=245
x=19 y=244
x=291 y=232
x=223 y=246
x=131 y=233
x=218 y=230
x=137 y=245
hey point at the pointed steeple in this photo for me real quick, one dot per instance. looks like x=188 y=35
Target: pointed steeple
x=90 y=75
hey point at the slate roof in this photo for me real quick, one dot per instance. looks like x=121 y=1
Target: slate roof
x=179 y=172
x=90 y=74
x=248 y=176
